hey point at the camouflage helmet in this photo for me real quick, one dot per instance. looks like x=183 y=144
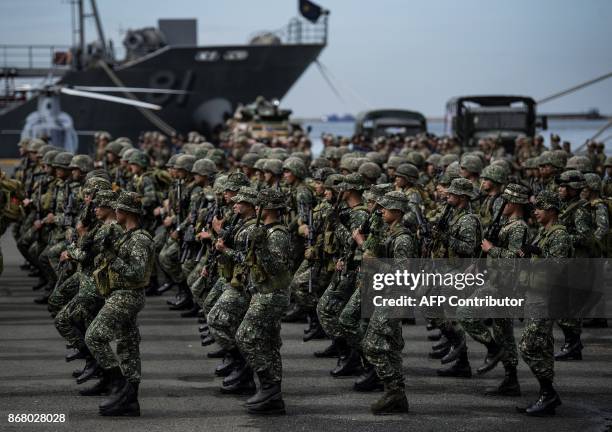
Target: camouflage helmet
x=580 y=163
x=377 y=191
x=204 y=167
x=296 y=166
x=434 y=159
x=235 y=181
x=322 y=173
x=395 y=161
x=462 y=186
x=275 y=166
x=49 y=156
x=185 y=162
x=126 y=148
x=332 y=153
x=370 y=171
x=319 y=163
x=105 y=198
x=376 y=157
x=573 y=179
x=219 y=184
x=547 y=200
x=62 y=160
x=559 y=158
x=82 y=162
x=216 y=155
x=333 y=181
x=516 y=193
x=407 y=171
x=356 y=162
x=552 y=158
x=453 y=170
x=24 y=143
x=271 y=199
x=101 y=173
x=394 y=200
x=257 y=148
x=593 y=181
x=130 y=202
x=608 y=161
x=448 y=159
x=495 y=173
x=113 y=147
x=353 y=181
x=530 y=163
x=124 y=141
x=301 y=155
x=139 y=158
x=259 y=164
x=172 y=160
x=35 y=144
x=505 y=164
x=471 y=163
x=246 y=194
x=103 y=135
x=249 y=159
x=416 y=159
x=125 y=155
x=345 y=164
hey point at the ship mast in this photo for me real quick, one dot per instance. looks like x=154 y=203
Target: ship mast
x=80 y=30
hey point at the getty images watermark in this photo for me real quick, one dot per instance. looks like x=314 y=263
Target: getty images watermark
x=501 y=288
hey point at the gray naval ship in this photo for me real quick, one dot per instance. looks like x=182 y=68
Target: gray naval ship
x=205 y=83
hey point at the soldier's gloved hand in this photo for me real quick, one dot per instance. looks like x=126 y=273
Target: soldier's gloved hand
x=258 y=235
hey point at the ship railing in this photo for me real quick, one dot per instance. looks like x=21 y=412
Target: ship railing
x=303 y=32
x=34 y=57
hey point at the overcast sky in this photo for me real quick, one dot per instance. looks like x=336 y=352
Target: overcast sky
x=413 y=54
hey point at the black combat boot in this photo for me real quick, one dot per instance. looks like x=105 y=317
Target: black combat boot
x=119 y=388
x=75 y=354
x=595 y=323
x=458 y=346
x=368 y=381
x=90 y=370
x=165 y=287
x=333 y=350
x=314 y=330
x=41 y=283
x=434 y=336
x=153 y=288
x=101 y=388
x=185 y=299
x=242 y=383
x=191 y=313
x=208 y=340
x=127 y=405
x=394 y=401
x=44 y=299
x=203 y=328
x=348 y=365
x=508 y=387
x=546 y=404
x=441 y=349
x=220 y=353
x=232 y=360
x=571 y=350
x=294 y=314
x=460 y=369
x=269 y=398
x=495 y=353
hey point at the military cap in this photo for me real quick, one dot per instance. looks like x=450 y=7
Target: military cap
x=139 y=158
x=82 y=162
x=377 y=191
x=370 y=170
x=434 y=159
x=185 y=162
x=62 y=160
x=608 y=161
x=130 y=202
x=95 y=183
x=516 y=193
x=113 y=147
x=448 y=159
x=125 y=155
x=246 y=194
x=49 y=156
x=105 y=198
x=416 y=159
x=275 y=166
x=495 y=173
x=172 y=160
x=296 y=166
x=572 y=178
x=98 y=173
x=353 y=181
x=547 y=200
x=333 y=181
x=249 y=159
x=319 y=163
x=395 y=161
x=593 y=181
x=471 y=163
x=376 y=157
x=204 y=167
x=270 y=199
x=322 y=173
x=235 y=181
x=407 y=171
x=394 y=200
x=580 y=163
x=462 y=186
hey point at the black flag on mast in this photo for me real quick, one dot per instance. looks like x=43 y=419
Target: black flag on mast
x=311 y=11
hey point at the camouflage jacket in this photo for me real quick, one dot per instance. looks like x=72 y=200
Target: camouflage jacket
x=577 y=220
x=270 y=270
x=512 y=237
x=132 y=264
x=464 y=234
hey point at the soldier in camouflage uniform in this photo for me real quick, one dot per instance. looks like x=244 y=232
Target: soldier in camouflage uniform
x=121 y=279
x=537 y=342
x=492 y=178
x=383 y=342
x=549 y=166
x=258 y=336
x=144 y=184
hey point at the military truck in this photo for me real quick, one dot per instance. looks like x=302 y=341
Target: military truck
x=386 y=122
x=505 y=117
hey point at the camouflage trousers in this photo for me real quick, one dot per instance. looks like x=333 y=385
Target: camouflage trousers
x=213 y=295
x=537 y=347
x=304 y=297
x=117 y=321
x=353 y=327
x=258 y=336
x=73 y=319
x=333 y=301
x=382 y=347
x=63 y=293
x=572 y=327
x=170 y=260
x=226 y=315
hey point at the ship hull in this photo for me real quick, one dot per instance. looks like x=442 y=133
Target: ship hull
x=216 y=78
